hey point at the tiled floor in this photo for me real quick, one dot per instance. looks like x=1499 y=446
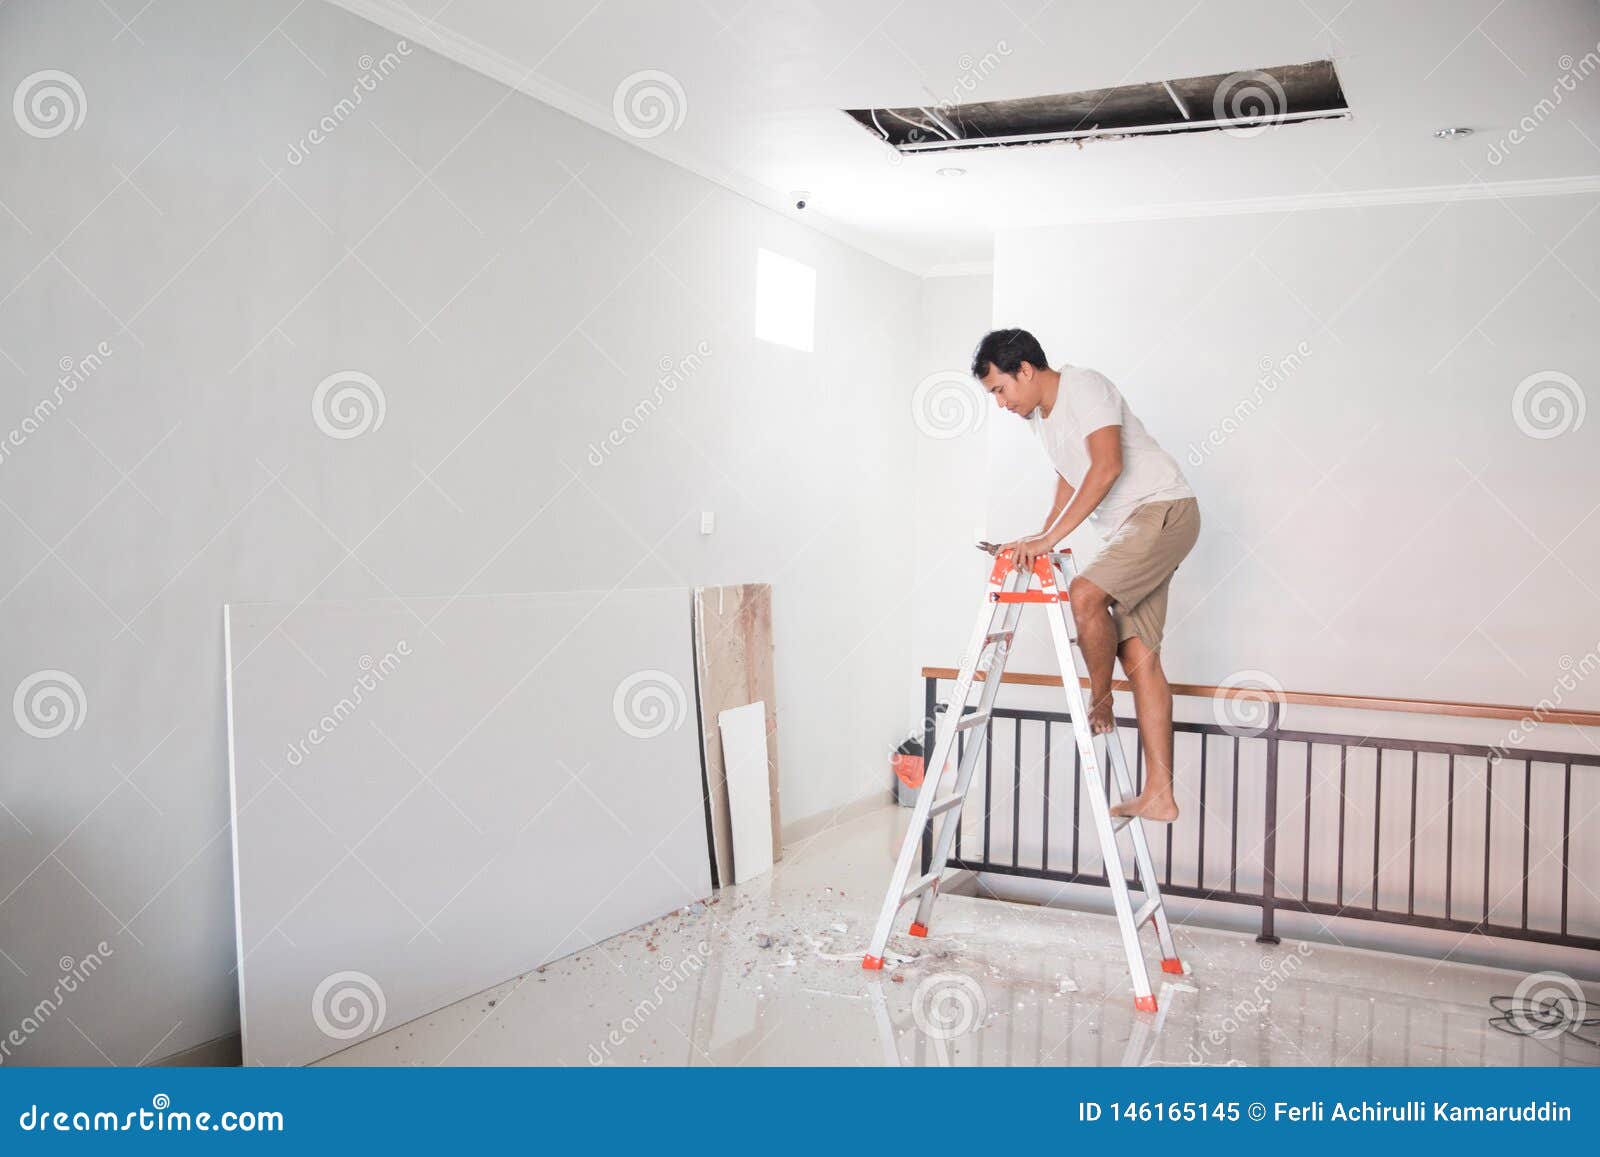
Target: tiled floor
x=769 y=974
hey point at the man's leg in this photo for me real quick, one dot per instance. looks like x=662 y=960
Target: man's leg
x=1152 y=702
x=1097 y=639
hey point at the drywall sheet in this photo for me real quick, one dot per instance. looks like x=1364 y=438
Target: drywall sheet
x=432 y=797
x=744 y=755
x=733 y=654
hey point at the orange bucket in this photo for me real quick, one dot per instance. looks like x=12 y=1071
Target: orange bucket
x=908 y=769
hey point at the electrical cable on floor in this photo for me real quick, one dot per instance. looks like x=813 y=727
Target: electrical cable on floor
x=1552 y=1016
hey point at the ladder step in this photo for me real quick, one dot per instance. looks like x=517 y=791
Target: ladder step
x=974 y=719
x=945 y=803
x=998 y=636
x=1120 y=822
x=1146 y=910
x=921 y=886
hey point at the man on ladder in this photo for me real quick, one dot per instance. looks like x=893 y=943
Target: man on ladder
x=1107 y=461
x=1109 y=467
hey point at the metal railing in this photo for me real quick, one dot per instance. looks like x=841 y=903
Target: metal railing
x=1475 y=846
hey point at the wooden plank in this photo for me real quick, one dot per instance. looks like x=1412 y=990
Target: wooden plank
x=1317 y=699
x=734 y=666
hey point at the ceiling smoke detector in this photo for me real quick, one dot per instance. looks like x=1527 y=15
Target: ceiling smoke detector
x=1455 y=131
x=951 y=171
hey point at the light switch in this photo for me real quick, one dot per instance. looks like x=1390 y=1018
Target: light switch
x=708 y=521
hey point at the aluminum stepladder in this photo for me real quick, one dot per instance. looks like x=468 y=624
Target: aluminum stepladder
x=1009 y=590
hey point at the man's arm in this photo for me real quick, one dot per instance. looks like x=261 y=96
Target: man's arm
x=1105 y=466
x=1064 y=494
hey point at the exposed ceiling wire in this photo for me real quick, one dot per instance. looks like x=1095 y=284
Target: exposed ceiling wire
x=919 y=125
x=1177 y=100
x=950 y=130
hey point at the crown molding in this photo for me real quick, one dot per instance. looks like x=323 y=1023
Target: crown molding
x=962 y=269
x=1357 y=199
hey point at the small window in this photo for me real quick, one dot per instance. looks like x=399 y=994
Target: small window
x=786 y=300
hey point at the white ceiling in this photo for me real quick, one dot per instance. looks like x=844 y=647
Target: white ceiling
x=763 y=81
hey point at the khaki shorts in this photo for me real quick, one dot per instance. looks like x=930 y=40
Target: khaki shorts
x=1137 y=565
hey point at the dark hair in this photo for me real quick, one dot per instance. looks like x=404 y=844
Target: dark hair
x=1006 y=350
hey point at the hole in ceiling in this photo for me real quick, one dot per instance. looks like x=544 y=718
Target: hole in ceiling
x=1234 y=101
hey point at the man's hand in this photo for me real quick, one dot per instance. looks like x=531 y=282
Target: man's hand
x=1029 y=549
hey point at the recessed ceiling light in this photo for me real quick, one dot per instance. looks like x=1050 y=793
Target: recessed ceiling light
x=951 y=171
x=1457 y=131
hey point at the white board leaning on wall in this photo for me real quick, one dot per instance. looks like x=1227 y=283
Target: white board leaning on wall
x=431 y=797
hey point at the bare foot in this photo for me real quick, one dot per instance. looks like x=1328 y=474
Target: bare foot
x=1100 y=718
x=1159 y=807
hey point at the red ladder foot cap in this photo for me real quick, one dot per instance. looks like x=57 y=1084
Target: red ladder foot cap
x=918 y=929
x=1173 y=965
x=1144 y=1003
x=872 y=962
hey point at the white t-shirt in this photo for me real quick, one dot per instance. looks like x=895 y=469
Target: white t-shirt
x=1086 y=402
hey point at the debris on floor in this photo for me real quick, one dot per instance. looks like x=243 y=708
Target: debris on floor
x=770 y=973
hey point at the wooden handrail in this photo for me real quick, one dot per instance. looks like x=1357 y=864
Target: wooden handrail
x=1315 y=699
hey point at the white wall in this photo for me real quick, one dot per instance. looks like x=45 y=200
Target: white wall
x=952 y=419
x=513 y=280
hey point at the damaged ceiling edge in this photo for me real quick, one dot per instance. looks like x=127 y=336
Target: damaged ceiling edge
x=1238 y=102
